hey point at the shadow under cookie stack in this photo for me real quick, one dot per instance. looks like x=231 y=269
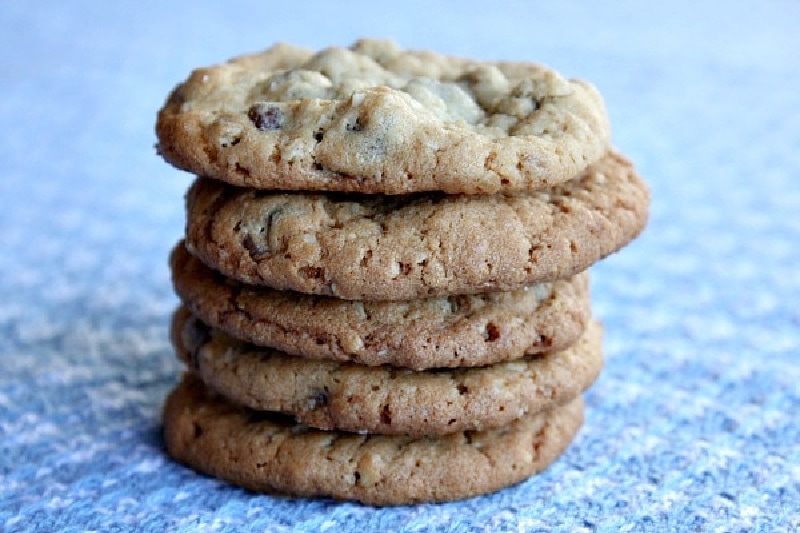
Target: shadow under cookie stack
x=383 y=281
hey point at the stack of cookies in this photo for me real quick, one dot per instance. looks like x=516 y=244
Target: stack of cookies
x=384 y=282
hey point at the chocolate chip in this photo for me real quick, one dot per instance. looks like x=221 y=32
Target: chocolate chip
x=266 y=117
x=311 y=272
x=318 y=136
x=255 y=250
x=258 y=244
x=386 y=415
x=319 y=399
x=491 y=333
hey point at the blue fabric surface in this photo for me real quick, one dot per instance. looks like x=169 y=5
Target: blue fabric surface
x=693 y=425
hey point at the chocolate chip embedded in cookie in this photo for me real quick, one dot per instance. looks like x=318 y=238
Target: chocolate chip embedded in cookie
x=377 y=119
x=446 y=331
x=386 y=400
x=271 y=454
x=417 y=246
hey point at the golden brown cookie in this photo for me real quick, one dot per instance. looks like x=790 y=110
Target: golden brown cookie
x=386 y=400
x=267 y=453
x=469 y=330
x=409 y=247
x=377 y=119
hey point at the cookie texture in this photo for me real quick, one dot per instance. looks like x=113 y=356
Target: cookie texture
x=271 y=454
x=386 y=400
x=446 y=331
x=377 y=119
x=408 y=247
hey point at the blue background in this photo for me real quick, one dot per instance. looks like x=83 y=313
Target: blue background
x=693 y=425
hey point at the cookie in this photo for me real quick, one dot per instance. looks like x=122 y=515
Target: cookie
x=452 y=331
x=386 y=400
x=417 y=246
x=377 y=119
x=273 y=454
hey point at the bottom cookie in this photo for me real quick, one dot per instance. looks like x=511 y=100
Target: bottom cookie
x=271 y=453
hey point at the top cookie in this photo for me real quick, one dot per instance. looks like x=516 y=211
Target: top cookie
x=377 y=119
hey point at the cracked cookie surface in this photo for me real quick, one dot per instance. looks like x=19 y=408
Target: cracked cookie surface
x=373 y=118
x=408 y=247
x=446 y=331
x=271 y=454
x=386 y=400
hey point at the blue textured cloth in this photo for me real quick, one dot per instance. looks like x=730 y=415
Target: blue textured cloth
x=693 y=425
